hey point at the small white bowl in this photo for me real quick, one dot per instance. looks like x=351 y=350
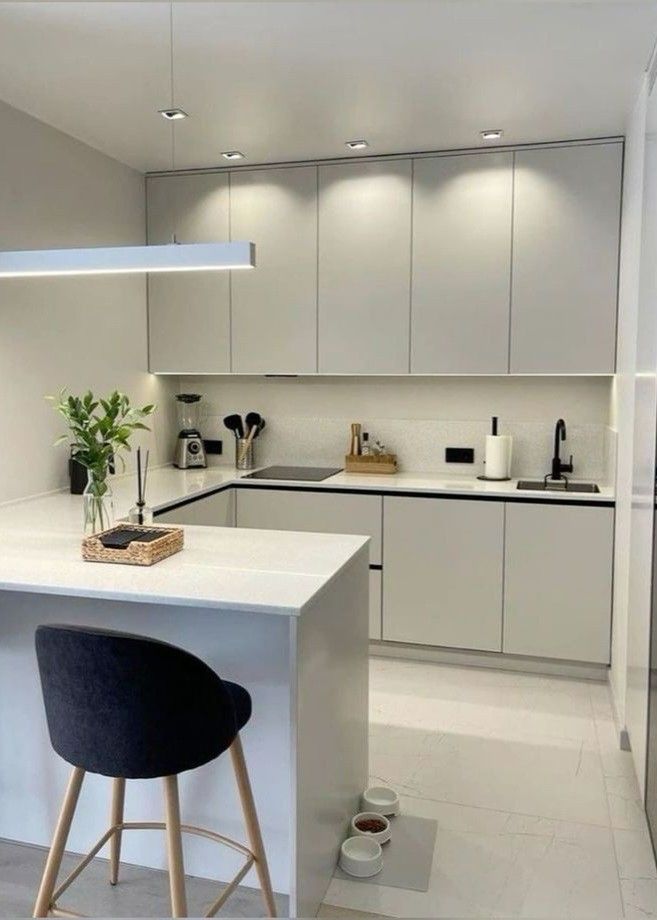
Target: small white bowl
x=380 y=836
x=382 y=800
x=361 y=857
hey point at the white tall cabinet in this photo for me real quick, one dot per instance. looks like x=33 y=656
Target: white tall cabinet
x=189 y=312
x=274 y=308
x=364 y=260
x=565 y=259
x=484 y=263
x=462 y=209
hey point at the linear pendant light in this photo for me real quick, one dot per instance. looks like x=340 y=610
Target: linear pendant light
x=103 y=260
x=107 y=260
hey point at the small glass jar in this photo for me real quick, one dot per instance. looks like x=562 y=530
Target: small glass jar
x=140 y=514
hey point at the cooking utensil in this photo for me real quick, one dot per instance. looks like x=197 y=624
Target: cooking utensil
x=253 y=419
x=234 y=423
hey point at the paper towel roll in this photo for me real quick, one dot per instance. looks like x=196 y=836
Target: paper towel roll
x=498 y=456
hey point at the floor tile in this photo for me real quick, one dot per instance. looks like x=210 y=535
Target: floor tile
x=634 y=854
x=494 y=864
x=615 y=762
x=639 y=898
x=554 y=779
x=327 y=910
x=625 y=806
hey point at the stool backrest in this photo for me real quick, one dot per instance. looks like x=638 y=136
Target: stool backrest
x=129 y=706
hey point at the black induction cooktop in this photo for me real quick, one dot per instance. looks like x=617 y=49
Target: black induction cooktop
x=298 y=473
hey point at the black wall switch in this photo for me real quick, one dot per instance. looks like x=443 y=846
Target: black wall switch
x=459 y=455
x=212 y=447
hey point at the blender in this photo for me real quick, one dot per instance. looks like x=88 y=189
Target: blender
x=189 y=452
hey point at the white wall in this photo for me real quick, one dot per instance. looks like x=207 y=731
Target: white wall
x=623 y=392
x=308 y=417
x=74 y=332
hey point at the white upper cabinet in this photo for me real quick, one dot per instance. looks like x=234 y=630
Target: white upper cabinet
x=274 y=307
x=364 y=267
x=565 y=259
x=189 y=313
x=462 y=217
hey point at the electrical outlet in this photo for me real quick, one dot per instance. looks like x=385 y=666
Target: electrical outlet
x=459 y=455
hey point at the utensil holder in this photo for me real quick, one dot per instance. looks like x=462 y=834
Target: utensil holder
x=244 y=454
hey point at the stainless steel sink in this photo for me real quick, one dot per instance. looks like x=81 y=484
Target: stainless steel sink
x=539 y=485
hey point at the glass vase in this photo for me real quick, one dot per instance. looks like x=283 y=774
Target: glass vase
x=98 y=503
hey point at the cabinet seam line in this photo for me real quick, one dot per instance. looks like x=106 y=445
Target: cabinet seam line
x=230 y=279
x=410 y=274
x=503 y=576
x=317 y=271
x=513 y=216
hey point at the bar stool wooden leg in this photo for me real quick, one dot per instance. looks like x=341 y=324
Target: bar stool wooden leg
x=116 y=817
x=174 y=848
x=54 y=861
x=252 y=825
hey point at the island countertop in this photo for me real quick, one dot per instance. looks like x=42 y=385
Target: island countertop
x=220 y=567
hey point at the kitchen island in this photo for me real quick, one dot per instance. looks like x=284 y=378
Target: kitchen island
x=284 y=614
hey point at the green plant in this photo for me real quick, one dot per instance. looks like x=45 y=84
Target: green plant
x=98 y=431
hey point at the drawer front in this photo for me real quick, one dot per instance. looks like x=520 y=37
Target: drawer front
x=313 y=512
x=211 y=511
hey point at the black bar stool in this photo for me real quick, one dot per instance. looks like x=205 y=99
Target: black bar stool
x=129 y=707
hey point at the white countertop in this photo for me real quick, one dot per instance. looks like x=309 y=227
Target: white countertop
x=222 y=568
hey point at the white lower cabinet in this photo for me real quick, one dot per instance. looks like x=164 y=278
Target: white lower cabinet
x=216 y=510
x=558 y=578
x=313 y=512
x=443 y=572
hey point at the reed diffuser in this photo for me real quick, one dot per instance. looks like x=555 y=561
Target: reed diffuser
x=141 y=513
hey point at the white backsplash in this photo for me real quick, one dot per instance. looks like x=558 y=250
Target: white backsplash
x=420 y=443
x=308 y=419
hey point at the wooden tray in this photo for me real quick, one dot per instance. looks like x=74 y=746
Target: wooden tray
x=136 y=553
x=370 y=463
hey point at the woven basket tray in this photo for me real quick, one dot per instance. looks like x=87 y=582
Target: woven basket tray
x=136 y=553
x=370 y=463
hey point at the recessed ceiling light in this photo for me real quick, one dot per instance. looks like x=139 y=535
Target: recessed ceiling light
x=491 y=134
x=356 y=145
x=173 y=114
x=232 y=155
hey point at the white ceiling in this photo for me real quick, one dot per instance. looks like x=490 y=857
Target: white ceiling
x=294 y=80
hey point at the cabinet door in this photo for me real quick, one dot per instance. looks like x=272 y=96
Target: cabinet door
x=565 y=259
x=314 y=512
x=211 y=511
x=558 y=574
x=364 y=268
x=274 y=308
x=188 y=312
x=375 y=604
x=461 y=264
x=442 y=572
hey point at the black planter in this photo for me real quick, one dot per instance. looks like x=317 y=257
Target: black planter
x=78 y=476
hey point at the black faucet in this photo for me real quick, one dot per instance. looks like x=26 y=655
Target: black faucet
x=559 y=468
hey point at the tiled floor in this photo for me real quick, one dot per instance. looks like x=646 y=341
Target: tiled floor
x=538 y=810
